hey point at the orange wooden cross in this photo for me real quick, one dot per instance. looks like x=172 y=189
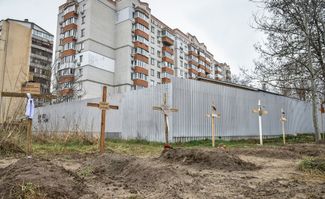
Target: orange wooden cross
x=103 y=106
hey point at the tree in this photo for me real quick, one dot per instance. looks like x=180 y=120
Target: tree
x=73 y=85
x=292 y=58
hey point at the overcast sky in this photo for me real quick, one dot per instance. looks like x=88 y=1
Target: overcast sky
x=223 y=25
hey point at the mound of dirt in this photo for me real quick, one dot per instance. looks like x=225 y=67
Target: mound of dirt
x=38 y=178
x=135 y=176
x=8 y=148
x=313 y=150
x=277 y=153
x=294 y=151
x=283 y=188
x=210 y=159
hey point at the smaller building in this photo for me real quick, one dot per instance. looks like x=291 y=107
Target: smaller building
x=25 y=55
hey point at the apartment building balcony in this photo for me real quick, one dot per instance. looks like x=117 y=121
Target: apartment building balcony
x=66 y=92
x=42 y=48
x=207 y=70
x=72 y=26
x=202 y=58
x=141 y=21
x=192 y=53
x=140 y=82
x=201 y=74
x=167 y=70
x=140 y=69
x=68 y=52
x=141 y=33
x=168 y=49
x=70 y=15
x=68 y=40
x=207 y=62
x=48 y=59
x=193 y=71
x=218 y=72
x=193 y=63
x=66 y=78
x=138 y=44
x=201 y=66
x=141 y=57
x=41 y=76
x=167 y=59
x=166 y=80
x=41 y=66
x=167 y=40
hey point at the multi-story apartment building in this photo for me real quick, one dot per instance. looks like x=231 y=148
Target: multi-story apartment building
x=25 y=55
x=119 y=43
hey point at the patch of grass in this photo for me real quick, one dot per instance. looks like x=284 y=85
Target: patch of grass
x=59 y=148
x=146 y=148
x=135 y=147
x=28 y=191
x=290 y=139
x=313 y=165
x=85 y=172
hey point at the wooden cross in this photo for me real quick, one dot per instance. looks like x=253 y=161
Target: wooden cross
x=166 y=110
x=29 y=120
x=104 y=106
x=283 y=119
x=260 y=113
x=213 y=115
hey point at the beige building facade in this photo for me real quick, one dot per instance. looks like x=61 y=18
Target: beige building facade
x=120 y=44
x=25 y=54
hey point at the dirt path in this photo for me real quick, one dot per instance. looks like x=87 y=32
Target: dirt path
x=183 y=173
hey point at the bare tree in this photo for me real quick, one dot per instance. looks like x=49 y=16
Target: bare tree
x=73 y=86
x=292 y=58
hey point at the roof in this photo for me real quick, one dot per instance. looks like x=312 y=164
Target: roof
x=240 y=86
x=28 y=22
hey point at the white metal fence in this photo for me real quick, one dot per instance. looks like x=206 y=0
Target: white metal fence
x=135 y=118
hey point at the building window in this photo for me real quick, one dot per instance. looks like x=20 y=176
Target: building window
x=152 y=29
x=80 y=58
x=158 y=64
x=153 y=40
x=152 y=82
x=158 y=74
x=152 y=72
x=82 y=32
x=82 y=45
x=152 y=51
x=152 y=61
x=83 y=19
x=158 y=53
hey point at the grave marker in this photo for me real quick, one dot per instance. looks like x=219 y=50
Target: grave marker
x=260 y=113
x=29 y=111
x=103 y=106
x=283 y=119
x=213 y=115
x=165 y=109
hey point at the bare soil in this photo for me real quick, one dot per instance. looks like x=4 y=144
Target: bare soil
x=208 y=159
x=180 y=173
x=43 y=177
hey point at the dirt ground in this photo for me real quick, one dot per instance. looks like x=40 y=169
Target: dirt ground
x=179 y=173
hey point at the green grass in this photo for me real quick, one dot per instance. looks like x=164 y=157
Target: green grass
x=146 y=148
x=301 y=138
x=313 y=165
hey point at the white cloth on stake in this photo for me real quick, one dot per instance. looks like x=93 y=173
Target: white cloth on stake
x=30 y=107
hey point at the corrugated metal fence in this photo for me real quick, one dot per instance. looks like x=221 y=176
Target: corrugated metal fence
x=136 y=120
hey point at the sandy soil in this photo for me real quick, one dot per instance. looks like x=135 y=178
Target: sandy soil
x=180 y=173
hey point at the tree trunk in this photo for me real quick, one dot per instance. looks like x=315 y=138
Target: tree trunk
x=315 y=111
